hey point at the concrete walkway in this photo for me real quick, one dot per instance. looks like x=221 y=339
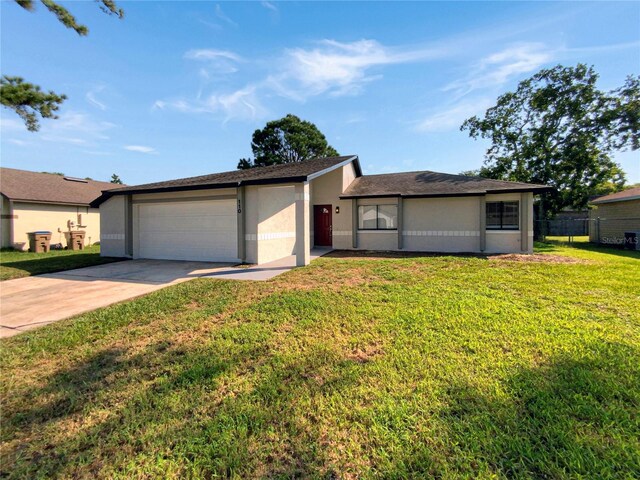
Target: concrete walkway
x=30 y=302
x=265 y=271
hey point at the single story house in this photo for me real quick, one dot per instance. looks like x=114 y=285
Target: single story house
x=33 y=201
x=263 y=214
x=613 y=215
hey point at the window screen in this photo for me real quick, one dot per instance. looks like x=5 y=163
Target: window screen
x=387 y=217
x=378 y=217
x=367 y=217
x=503 y=215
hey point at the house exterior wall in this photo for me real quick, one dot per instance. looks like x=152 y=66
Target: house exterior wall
x=113 y=226
x=441 y=224
x=29 y=217
x=325 y=190
x=276 y=223
x=270 y=222
x=609 y=221
x=511 y=241
x=449 y=224
x=376 y=239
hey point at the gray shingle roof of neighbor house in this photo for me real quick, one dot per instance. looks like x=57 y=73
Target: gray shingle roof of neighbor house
x=623 y=196
x=22 y=185
x=432 y=184
x=284 y=173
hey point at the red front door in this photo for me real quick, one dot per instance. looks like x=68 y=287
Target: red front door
x=322 y=226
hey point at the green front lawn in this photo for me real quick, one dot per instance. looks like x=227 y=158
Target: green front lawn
x=443 y=366
x=16 y=264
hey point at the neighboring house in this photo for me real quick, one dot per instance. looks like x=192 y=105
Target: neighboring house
x=263 y=214
x=34 y=201
x=613 y=215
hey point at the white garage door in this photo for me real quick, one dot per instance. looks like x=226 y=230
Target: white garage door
x=197 y=230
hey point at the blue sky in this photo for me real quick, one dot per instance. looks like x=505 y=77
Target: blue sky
x=177 y=88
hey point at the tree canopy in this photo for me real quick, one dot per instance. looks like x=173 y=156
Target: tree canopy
x=287 y=140
x=116 y=179
x=27 y=99
x=559 y=129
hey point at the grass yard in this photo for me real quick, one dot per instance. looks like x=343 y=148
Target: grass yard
x=17 y=264
x=442 y=366
x=565 y=239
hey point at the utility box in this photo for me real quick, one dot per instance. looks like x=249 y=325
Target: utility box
x=75 y=239
x=39 y=241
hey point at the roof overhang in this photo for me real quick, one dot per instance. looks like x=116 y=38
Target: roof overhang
x=45 y=202
x=354 y=160
x=107 y=194
x=449 y=195
x=541 y=189
x=616 y=200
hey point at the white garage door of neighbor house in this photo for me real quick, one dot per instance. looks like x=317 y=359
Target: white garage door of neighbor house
x=197 y=230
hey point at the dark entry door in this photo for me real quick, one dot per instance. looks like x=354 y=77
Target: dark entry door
x=322 y=226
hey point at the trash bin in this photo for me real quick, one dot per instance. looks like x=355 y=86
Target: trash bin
x=631 y=240
x=39 y=241
x=75 y=239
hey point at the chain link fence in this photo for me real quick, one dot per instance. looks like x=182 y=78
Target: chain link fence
x=614 y=232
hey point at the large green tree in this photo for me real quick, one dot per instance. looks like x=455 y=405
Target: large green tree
x=27 y=99
x=559 y=129
x=287 y=140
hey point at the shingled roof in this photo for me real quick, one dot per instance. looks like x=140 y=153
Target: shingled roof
x=284 y=173
x=432 y=184
x=623 y=196
x=22 y=185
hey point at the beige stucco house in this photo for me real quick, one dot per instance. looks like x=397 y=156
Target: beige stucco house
x=613 y=215
x=267 y=213
x=34 y=201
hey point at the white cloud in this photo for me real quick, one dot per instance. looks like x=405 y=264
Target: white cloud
x=76 y=128
x=331 y=67
x=97 y=153
x=211 y=54
x=11 y=124
x=500 y=67
x=91 y=98
x=602 y=48
x=269 y=6
x=211 y=25
x=81 y=123
x=334 y=68
x=452 y=116
x=72 y=127
x=239 y=104
x=242 y=103
x=222 y=16
x=216 y=61
x=140 y=149
x=63 y=139
x=20 y=143
x=180 y=105
x=339 y=68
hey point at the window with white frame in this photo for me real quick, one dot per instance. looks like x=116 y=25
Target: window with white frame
x=503 y=215
x=378 y=217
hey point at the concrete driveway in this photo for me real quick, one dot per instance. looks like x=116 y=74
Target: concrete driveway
x=30 y=302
